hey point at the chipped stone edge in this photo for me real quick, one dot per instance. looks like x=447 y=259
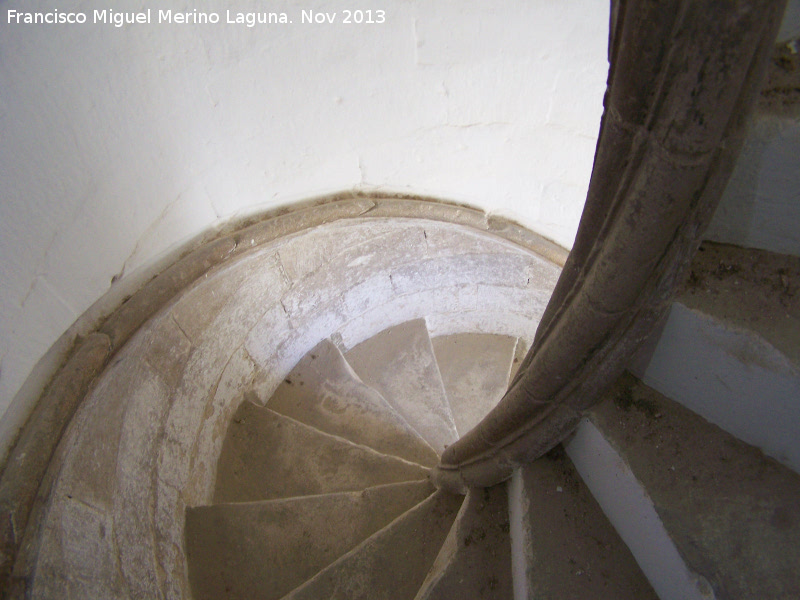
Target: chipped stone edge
x=31 y=455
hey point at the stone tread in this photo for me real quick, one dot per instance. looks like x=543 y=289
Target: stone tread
x=400 y=364
x=391 y=564
x=266 y=455
x=752 y=289
x=475 y=559
x=572 y=550
x=266 y=549
x=475 y=371
x=324 y=392
x=732 y=512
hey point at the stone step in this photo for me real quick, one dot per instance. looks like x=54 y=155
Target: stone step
x=266 y=455
x=475 y=369
x=730 y=348
x=475 y=559
x=568 y=547
x=732 y=512
x=400 y=364
x=759 y=208
x=324 y=392
x=393 y=562
x=266 y=549
x=750 y=289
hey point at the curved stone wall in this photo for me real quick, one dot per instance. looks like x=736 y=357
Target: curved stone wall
x=145 y=440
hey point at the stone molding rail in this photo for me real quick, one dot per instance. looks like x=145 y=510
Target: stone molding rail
x=684 y=76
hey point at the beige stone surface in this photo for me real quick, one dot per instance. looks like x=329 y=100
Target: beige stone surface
x=447 y=239
x=475 y=371
x=266 y=549
x=505 y=270
x=267 y=455
x=322 y=289
x=238 y=314
x=90 y=467
x=752 y=289
x=301 y=219
x=78 y=558
x=133 y=510
x=26 y=479
x=192 y=404
x=236 y=376
x=475 y=559
x=393 y=562
x=515 y=233
x=447 y=300
x=267 y=343
x=571 y=549
x=161 y=289
x=399 y=363
x=432 y=211
x=732 y=512
x=484 y=320
x=166 y=349
x=324 y=392
x=317 y=248
x=170 y=510
x=108 y=471
x=196 y=309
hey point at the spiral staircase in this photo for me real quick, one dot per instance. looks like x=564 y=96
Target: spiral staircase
x=268 y=431
x=267 y=417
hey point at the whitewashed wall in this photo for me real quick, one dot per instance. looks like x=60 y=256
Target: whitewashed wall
x=119 y=144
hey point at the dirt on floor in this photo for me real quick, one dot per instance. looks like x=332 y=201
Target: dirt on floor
x=781 y=91
x=749 y=288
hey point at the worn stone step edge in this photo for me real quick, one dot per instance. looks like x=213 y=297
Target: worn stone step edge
x=729 y=511
x=399 y=522
x=475 y=559
x=343 y=439
x=294 y=498
x=286 y=540
x=391 y=430
x=727 y=375
x=750 y=289
x=465 y=402
x=430 y=414
x=327 y=438
x=567 y=546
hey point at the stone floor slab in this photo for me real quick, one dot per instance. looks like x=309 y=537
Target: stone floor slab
x=266 y=455
x=266 y=549
x=400 y=364
x=393 y=562
x=475 y=560
x=571 y=549
x=475 y=370
x=324 y=392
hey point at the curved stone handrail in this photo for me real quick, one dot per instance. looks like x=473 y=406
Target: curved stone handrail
x=683 y=78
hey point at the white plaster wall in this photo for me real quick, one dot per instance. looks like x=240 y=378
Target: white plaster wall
x=117 y=145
